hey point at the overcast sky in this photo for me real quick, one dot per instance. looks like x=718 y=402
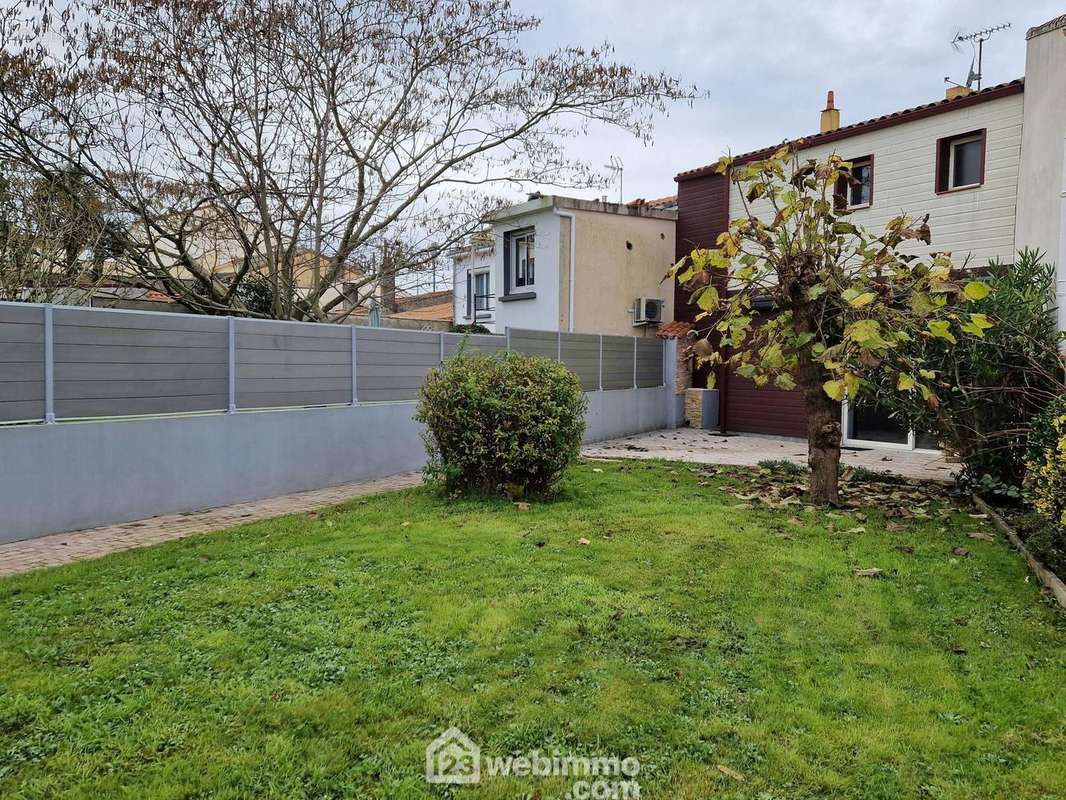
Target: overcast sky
x=767 y=66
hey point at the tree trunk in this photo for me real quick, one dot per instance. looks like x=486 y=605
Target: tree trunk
x=823 y=444
x=823 y=412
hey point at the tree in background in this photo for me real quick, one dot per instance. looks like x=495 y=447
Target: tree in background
x=288 y=138
x=846 y=303
x=56 y=237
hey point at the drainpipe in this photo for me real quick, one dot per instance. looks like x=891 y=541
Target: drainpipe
x=573 y=264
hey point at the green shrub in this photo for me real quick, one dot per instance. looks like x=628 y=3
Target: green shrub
x=999 y=382
x=1047 y=477
x=506 y=422
x=1043 y=439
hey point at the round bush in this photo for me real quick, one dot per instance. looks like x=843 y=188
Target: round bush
x=507 y=422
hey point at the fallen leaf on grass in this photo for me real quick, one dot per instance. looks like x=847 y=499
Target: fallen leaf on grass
x=522 y=506
x=984 y=537
x=960 y=551
x=905 y=548
x=583 y=540
x=597 y=469
x=731 y=773
x=872 y=572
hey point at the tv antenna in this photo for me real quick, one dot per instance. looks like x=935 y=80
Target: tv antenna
x=616 y=168
x=977 y=41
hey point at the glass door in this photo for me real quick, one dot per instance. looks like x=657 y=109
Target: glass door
x=874 y=426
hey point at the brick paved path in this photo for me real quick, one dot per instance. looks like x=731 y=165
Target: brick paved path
x=61 y=548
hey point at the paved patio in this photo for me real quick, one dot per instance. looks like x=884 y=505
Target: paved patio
x=62 y=548
x=711 y=447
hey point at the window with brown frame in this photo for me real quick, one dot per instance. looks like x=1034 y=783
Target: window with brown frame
x=857 y=191
x=861 y=186
x=960 y=161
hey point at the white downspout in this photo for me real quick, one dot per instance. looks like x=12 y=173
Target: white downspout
x=573 y=265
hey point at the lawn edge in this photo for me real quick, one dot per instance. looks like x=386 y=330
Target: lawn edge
x=1052 y=581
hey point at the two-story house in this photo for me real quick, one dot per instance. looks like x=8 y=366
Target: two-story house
x=987 y=166
x=559 y=263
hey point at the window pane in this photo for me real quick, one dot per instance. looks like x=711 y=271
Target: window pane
x=529 y=260
x=520 y=262
x=874 y=424
x=481 y=291
x=967 y=163
x=860 y=188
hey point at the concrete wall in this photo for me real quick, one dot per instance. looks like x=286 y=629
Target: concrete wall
x=620 y=258
x=1042 y=175
x=75 y=475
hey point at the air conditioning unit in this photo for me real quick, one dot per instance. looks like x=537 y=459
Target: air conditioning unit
x=648 y=311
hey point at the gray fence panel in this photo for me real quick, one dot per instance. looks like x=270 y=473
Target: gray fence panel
x=282 y=364
x=21 y=363
x=473 y=343
x=649 y=362
x=535 y=343
x=617 y=362
x=391 y=364
x=112 y=363
x=581 y=355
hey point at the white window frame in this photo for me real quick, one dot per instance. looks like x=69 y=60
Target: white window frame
x=868 y=162
x=513 y=242
x=952 y=144
x=486 y=273
x=873 y=444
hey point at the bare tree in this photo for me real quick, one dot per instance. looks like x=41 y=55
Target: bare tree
x=55 y=238
x=286 y=139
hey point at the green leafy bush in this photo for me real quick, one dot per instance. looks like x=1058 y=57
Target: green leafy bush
x=506 y=422
x=996 y=383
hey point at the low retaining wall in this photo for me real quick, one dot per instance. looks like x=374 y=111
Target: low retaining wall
x=70 y=476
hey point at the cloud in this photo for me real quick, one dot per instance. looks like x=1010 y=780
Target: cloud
x=767 y=66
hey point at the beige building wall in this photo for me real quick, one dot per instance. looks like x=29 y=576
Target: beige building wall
x=619 y=258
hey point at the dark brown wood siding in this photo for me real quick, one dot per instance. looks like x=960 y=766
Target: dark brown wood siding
x=702 y=214
x=771 y=411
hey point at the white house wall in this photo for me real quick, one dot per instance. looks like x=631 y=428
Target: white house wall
x=979 y=221
x=541 y=312
x=461 y=264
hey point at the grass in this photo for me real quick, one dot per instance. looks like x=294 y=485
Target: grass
x=316 y=655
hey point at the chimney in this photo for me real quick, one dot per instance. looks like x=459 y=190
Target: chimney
x=957 y=91
x=830 y=115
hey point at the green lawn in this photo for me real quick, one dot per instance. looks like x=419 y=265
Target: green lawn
x=317 y=655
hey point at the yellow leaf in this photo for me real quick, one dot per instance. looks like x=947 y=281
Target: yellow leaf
x=708 y=298
x=904 y=383
x=863 y=299
x=851 y=383
x=834 y=389
x=975 y=290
